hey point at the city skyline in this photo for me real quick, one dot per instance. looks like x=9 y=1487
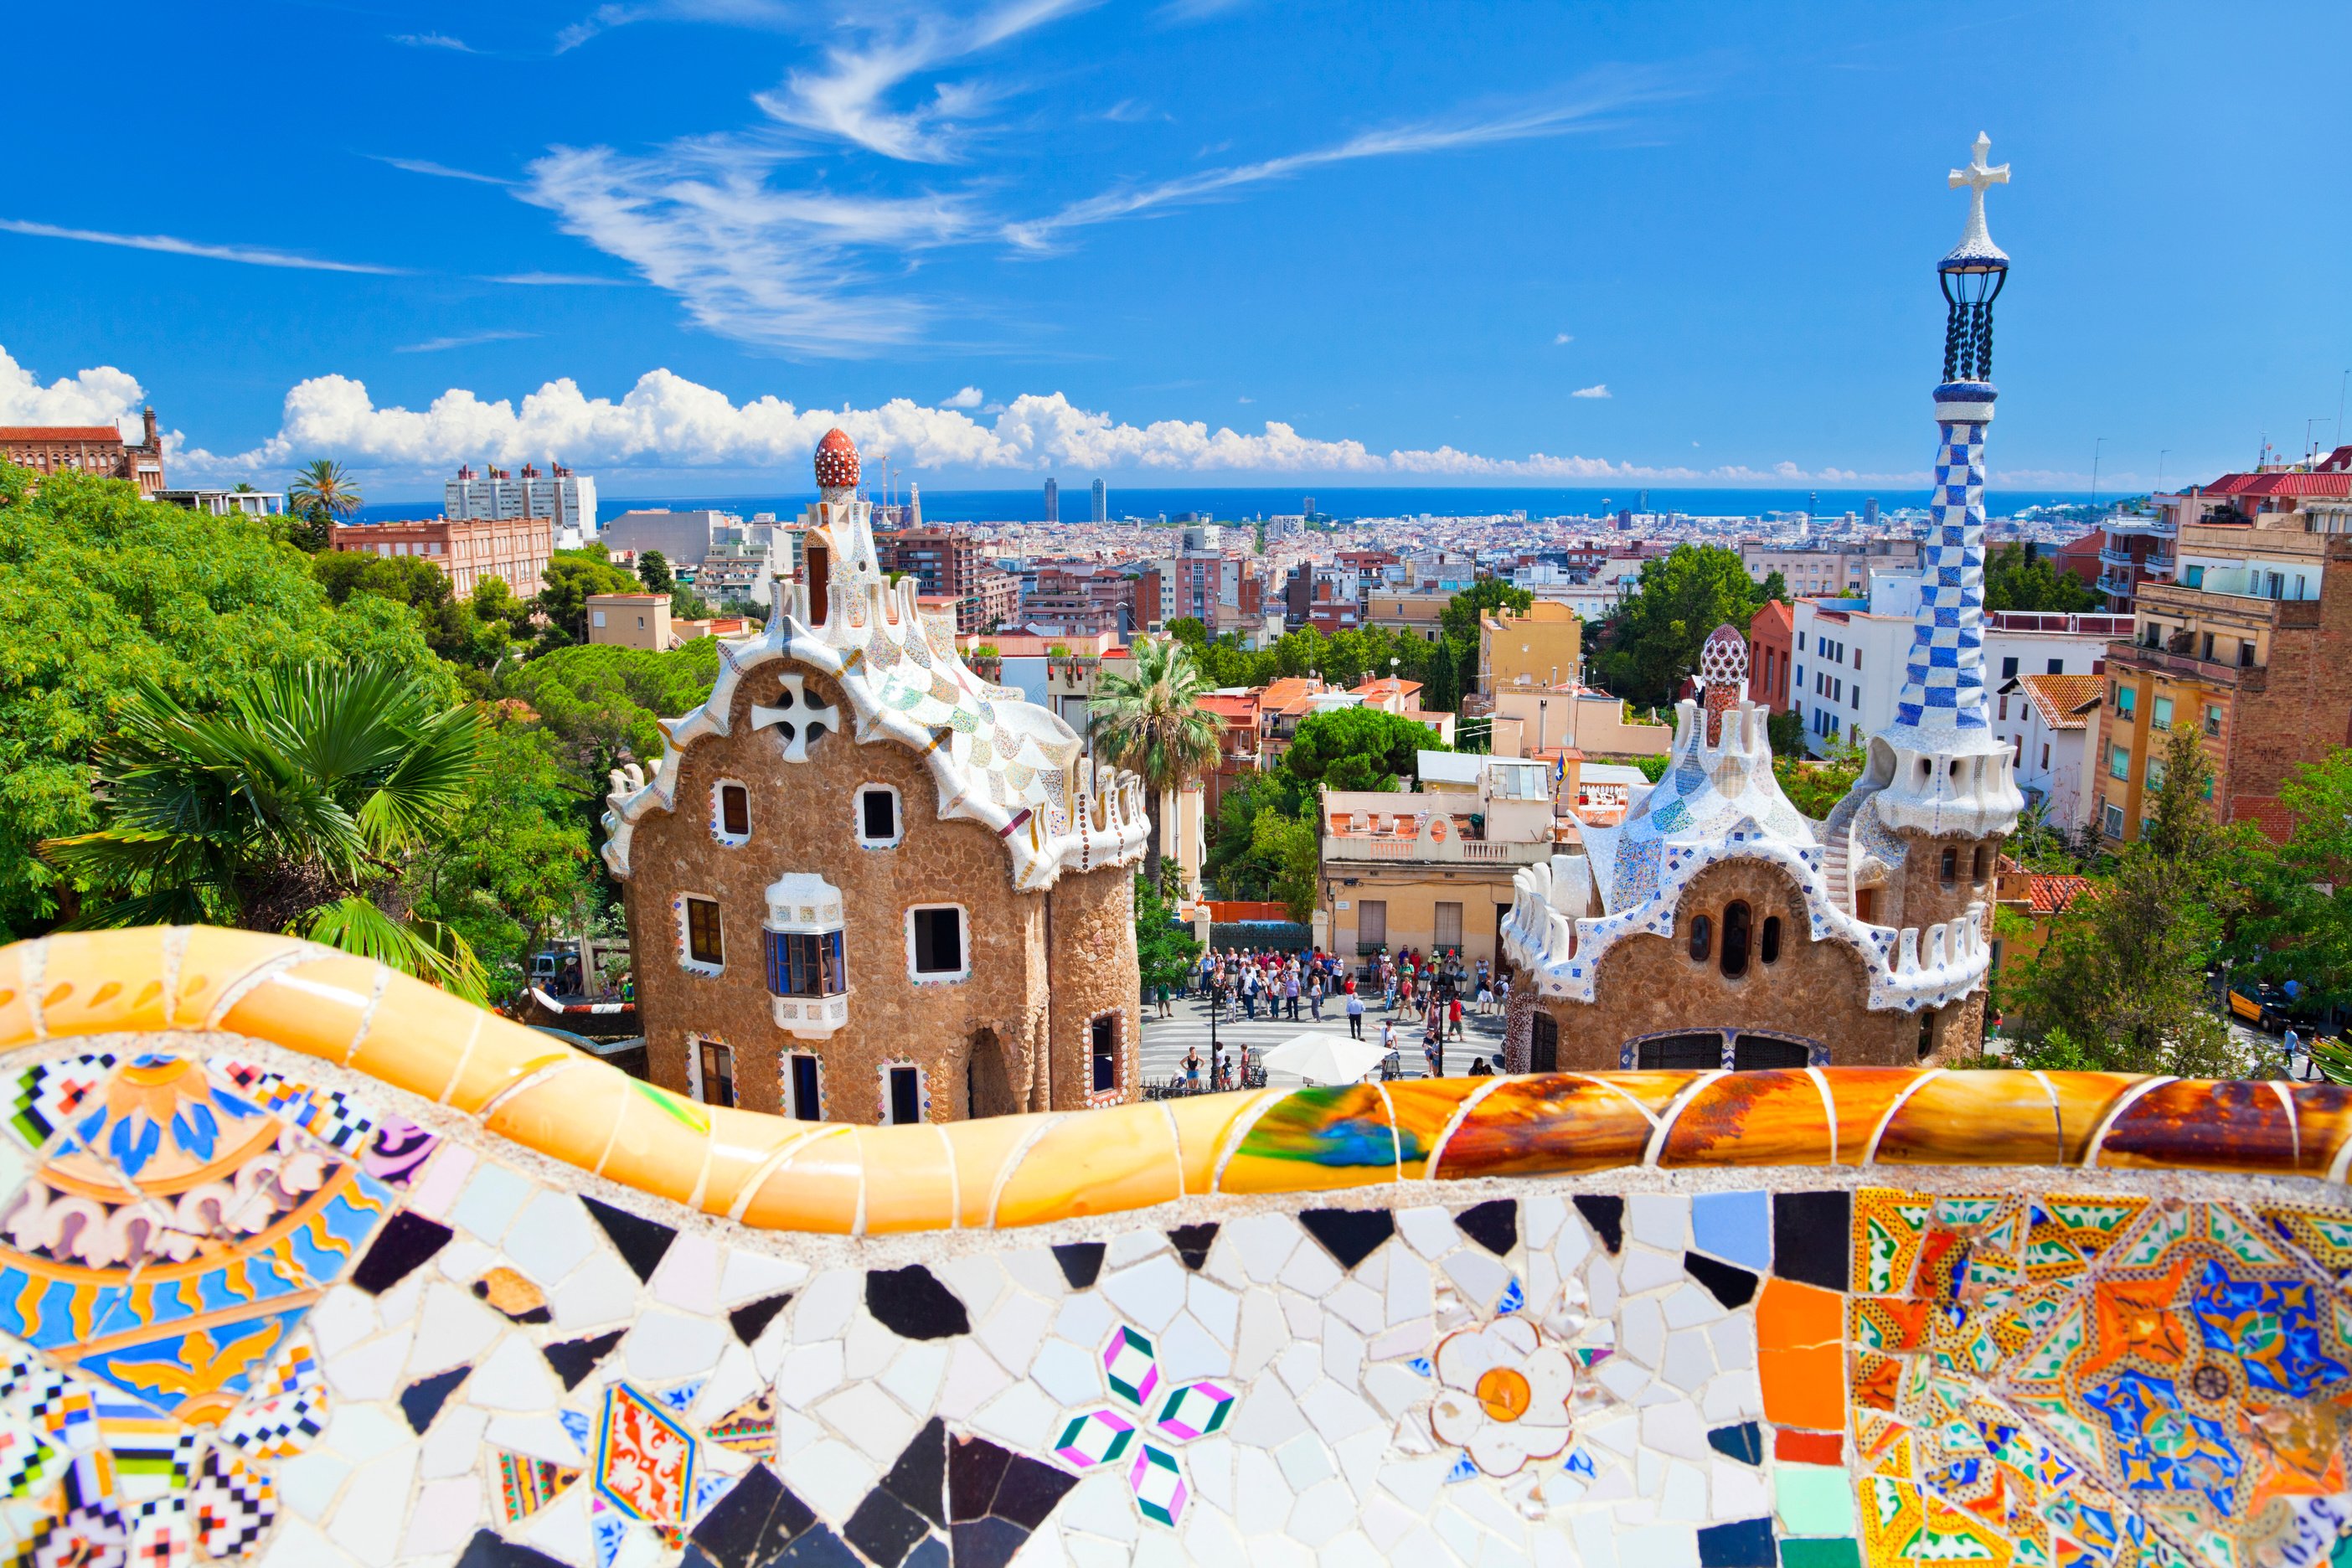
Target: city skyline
x=704 y=234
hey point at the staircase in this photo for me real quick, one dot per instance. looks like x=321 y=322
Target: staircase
x=1838 y=873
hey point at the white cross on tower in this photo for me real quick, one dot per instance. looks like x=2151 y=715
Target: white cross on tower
x=801 y=722
x=1978 y=239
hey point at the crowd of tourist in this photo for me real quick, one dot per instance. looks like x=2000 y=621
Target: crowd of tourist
x=1409 y=986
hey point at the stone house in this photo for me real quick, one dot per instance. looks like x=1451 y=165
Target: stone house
x=864 y=885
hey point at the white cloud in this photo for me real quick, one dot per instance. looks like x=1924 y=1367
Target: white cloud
x=438 y=170
x=104 y=395
x=1598 y=389
x=253 y=255
x=1563 y=338
x=432 y=41
x=970 y=397
x=434 y=345
x=559 y=280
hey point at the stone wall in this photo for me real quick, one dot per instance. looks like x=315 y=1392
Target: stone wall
x=804 y=819
x=1651 y=985
x=303 y=1264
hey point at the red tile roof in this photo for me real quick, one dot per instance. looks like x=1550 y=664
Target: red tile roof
x=2048 y=895
x=2290 y=484
x=2062 y=699
x=59 y=433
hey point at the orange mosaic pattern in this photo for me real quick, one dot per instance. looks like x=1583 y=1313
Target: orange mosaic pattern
x=772 y=1173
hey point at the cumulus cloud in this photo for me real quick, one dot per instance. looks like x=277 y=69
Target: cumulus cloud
x=1598 y=389
x=970 y=397
x=104 y=395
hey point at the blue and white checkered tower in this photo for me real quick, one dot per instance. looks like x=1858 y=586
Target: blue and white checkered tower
x=1939 y=768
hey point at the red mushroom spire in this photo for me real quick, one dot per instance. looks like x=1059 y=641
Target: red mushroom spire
x=1722 y=672
x=836 y=461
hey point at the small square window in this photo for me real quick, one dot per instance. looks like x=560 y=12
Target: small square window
x=2007 y=668
x=2118 y=763
x=935 y=938
x=906 y=1096
x=2057 y=667
x=717 y=1075
x=2161 y=713
x=877 y=816
x=703 y=943
x=2112 y=820
x=735 y=811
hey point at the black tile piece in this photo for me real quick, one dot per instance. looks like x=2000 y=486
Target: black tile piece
x=1743 y=1442
x=919 y=1478
x=751 y=1320
x=407 y=1240
x=987 y=1542
x=1493 y=1226
x=575 y=1359
x=884 y=1529
x=758 y=1518
x=911 y=1303
x=1606 y=1215
x=1081 y=1262
x=421 y=1401
x=1812 y=1238
x=1745 y=1544
x=1029 y=1491
x=641 y=1241
x=932 y=1553
x=539 y=1315
x=819 y=1548
x=1192 y=1242
x=1349 y=1235
x=974 y=1467
x=488 y=1550
x=1733 y=1287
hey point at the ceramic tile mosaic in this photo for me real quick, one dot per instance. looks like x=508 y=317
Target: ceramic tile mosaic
x=293 y=1281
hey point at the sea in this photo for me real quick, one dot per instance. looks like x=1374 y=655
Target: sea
x=1342 y=503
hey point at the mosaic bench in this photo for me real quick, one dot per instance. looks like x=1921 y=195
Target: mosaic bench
x=302 y=1262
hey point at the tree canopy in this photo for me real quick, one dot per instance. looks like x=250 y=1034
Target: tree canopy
x=2017 y=577
x=1357 y=748
x=1653 y=639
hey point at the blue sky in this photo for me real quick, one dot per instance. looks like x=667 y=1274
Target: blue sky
x=672 y=240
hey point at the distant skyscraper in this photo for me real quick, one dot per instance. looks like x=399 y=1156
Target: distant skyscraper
x=1053 y=500
x=1310 y=506
x=1102 y=503
x=1813 y=502
x=1870 y=512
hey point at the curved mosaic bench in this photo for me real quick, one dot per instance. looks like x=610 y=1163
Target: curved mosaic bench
x=304 y=1261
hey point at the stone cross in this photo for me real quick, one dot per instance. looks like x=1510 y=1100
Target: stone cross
x=1979 y=179
x=798 y=718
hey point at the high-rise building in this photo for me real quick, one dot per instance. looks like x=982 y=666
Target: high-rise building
x=1102 y=503
x=1870 y=513
x=1310 y=506
x=1053 y=500
x=565 y=498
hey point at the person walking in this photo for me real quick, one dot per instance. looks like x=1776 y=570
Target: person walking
x=1355 y=1016
x=2290 y=1045
x=1454 y=1015
x=1434 y=1036
x=1290 y=993
x=1486 y=993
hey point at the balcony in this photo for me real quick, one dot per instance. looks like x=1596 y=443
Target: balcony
x=2185 y=667
x=2113 y=557
x=2116 y=584
x=1452 y=850
x=2231 y=609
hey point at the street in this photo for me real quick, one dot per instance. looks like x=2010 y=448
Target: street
x=1165 y=1040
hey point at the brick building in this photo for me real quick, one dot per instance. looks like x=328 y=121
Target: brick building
x=469 y=551
x=2250 y=645
x=941 y=561
x=1772 y=639
x=98 y=450
x=866 y=886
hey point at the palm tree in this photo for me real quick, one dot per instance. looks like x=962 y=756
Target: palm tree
x=324 y=485
x=1151 y=722
x=281 y=812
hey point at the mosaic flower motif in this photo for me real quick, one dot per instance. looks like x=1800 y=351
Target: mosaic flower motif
x=1503 y=1394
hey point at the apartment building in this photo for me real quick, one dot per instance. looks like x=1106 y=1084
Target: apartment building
x=2051 y=751
x=1080 y=597
x=469 y=551
x=1431 y=870
x=1832 y=569
x=941 y=560
x=1542 y=647
x=566 y=498
x=2250 y=645
x=1771 y=642
x=1423 y=615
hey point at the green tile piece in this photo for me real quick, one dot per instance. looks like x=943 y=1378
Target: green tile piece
x=1846 y=1554
x=1813 y=1499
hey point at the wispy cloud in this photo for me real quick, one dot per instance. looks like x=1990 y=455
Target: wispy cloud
x=1582 y=110
x=1197 y=10
x=170 y=245
x=561 y=280
x=438 y=170
x=435 y=345
x=433 y=41
x=850 y=100
x=1598 y=389
x=768 y=13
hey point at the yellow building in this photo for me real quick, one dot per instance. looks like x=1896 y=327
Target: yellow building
x=1432 y=870
x=630 y=620
x=1419 y=614
x=1540 y=647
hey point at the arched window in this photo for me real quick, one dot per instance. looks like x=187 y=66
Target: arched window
x=1702 y=939
x=1951 y=868
x=1768 y=942
x=1736 y=923
x=1983 y=861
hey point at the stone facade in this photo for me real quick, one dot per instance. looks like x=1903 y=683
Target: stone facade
x=847 y=778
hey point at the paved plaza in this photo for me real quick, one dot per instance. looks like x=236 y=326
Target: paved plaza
x=1165 y=1040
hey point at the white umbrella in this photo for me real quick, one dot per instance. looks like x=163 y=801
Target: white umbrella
x=1325 y=1058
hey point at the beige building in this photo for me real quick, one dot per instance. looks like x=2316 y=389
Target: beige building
x=1530 y=719
x=1419 y=614
x=630 y=620
x=1545 y=648
x=864 y=885
x=1433 y=869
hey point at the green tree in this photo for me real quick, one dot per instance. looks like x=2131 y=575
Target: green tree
x=2017 y=577
x=1814 y=788
x=453 y=629
x=2120 y=985
x=1357 y=748
x=101 y=590
x=572 y=577
x=653 y=570
x=1292 y=849
x=2298 y=922
x=281 y=809
x=1164 y=950
x=1654 y=638
x=603 y=704
x=1151 y=722
x=1787 y=731
x=322 y=494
